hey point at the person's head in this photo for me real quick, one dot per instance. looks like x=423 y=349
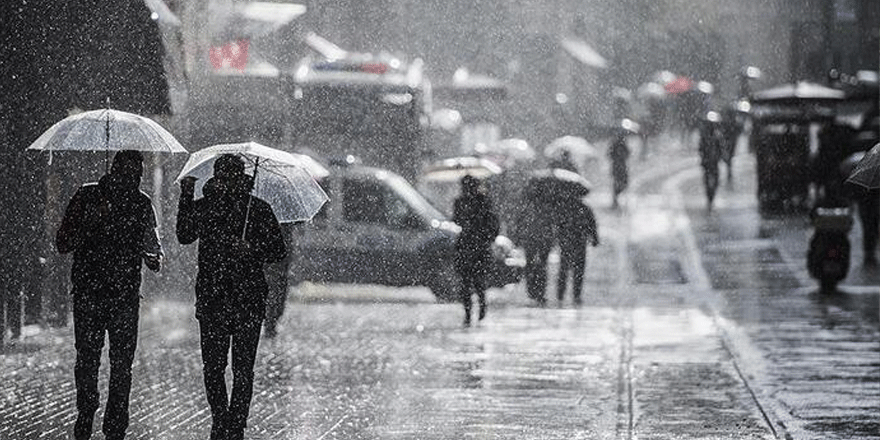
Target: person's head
x=127 y=168
x=230 y=176
x=470 y=185
x=228 y=167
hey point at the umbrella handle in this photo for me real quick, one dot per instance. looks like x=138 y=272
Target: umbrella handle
x=107 y=139
x=247 y=212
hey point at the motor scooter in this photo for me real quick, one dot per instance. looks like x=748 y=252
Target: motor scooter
x=828 y=257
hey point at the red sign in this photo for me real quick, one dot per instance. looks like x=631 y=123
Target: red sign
x=231 y=55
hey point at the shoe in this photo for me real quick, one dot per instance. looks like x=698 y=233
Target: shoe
x=82 y=429
x=482 y=313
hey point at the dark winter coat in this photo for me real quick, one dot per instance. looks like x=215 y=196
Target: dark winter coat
x=479 y=227
x=231 y=284
x=619 y=154
x=710 y=146
x=576 y=227
x=109 y=229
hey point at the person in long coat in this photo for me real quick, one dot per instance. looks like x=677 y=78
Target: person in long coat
x=110 y=227
x=710 y=155
x=473 y=211
x=576 y=228
x=536 y=236
x=619 y=154
x=238 y=234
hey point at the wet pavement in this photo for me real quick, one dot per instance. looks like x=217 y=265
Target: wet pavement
x=695 y=325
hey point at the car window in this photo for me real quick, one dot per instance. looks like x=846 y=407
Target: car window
x=363 y=201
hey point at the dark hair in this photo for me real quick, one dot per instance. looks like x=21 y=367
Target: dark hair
x=128 y=161
x=228 y=165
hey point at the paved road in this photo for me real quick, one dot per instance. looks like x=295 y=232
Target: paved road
x=696 y=325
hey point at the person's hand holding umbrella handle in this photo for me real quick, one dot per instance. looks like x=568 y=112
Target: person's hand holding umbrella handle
x=188 y=187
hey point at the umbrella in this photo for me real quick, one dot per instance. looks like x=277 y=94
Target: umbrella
x=800 y=91
x=508 y=151
x=555 y=183
x=107 y=130
x=678 y=85
x=454 y=168
x=284 y=180
x=867 y=170
x=575 y=145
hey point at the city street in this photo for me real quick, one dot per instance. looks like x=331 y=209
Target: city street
x=695 y=324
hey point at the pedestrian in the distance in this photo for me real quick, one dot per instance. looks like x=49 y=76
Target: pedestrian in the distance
x=576 y=228
x=473 y=211
x=536 y=235
x=277 y=277
x=238 y=234
x=619 y=154
x=730 y=132
x=110 y=227
x=710 y=154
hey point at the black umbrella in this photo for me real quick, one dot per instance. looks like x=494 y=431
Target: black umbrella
x=550 y=184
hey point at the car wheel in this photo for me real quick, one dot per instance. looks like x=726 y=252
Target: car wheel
x=445 y=283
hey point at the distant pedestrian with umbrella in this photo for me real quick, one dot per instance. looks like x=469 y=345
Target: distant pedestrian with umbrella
x=576 y=228
x=110 y=227
x=710 y=150
x=545 y=195
x=619 y=154
x=473 y=211
x=238 y=234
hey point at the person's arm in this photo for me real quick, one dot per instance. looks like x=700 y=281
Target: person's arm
x=69 y=235
x=592 y=226
x=269 y=244
x=153 y=253
x=187 y=224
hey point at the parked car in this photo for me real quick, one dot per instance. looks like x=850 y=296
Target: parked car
x=378 y=229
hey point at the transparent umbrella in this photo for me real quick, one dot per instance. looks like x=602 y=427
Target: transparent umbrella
x=284 y=180
x=867 y=171
x=107 y=130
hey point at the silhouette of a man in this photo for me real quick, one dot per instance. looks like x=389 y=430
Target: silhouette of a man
x=576 y=227
x=238 y=234
x=110 y=227
x=479 y=226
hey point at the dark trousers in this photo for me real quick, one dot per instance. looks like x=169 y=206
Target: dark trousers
x=93 y=316
x=473 y=282
x=536 y=272
x=229 y=415
x=276 y=277
x=573 y=259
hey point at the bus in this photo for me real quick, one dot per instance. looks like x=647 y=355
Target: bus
x=373 y=107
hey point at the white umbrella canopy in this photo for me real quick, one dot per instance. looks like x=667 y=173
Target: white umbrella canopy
x=575 y=145
x=867 y=170
x=107 y=130
x=284 y=180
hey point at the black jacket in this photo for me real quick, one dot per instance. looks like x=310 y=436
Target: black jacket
x=479 y=227
x=108 y=229
x=231 y=284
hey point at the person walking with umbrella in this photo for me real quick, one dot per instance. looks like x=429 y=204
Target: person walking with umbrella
x=110 y=227
x=576 y=227
x=710 y=153
x=479 y=226
x=619 y=153
x=238 y=234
